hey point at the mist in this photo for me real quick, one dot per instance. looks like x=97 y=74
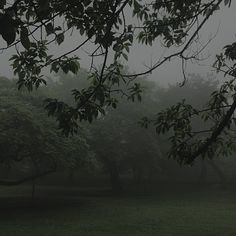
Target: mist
x=117 y=118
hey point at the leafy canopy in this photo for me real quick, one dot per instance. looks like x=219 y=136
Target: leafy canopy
x=36 y=24
x=30 y=141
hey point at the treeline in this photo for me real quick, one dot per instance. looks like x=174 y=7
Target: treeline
x=114 y=146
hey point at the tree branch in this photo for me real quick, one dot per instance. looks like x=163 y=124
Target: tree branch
x=179 y=53
x=25 y=179
x=215 y=134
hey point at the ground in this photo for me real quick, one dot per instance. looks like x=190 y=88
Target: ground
x=70 y=211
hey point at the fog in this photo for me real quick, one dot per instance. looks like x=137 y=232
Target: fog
x=106 y=155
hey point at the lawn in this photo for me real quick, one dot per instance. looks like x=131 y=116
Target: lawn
x=67 y=212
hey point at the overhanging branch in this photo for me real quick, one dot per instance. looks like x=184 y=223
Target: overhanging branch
x=181 y=52
x=215 y=134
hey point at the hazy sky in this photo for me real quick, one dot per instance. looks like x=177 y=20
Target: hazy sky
x=223 y=22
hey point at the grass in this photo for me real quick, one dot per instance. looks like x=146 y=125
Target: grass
x=68 y=212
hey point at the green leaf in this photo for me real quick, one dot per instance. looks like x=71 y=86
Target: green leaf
x=43 y=5
x=7 y=28
x=227 y=2
x=49 y=28
x=2 y=3
x=125 y=56
x=114 y=105
x=74 y=67
x=24 y=38
x=9 y=36
x=21 y=75
x=60 y=38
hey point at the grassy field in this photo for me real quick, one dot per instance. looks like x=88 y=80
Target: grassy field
x=67 y=212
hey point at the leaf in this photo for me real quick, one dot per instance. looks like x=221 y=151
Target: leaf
x=87 y=2
x=43 y=5
x=24 y=38
x=55 y=67
x=90 y=32
x=49 y=28
x=137 y=6
x=9 y=35
x=74 y=67
x=125 y=56
x=2 y=3
x=21 y=75
x=60 y=38
x=114 y=105
x=7 y=28
x=227 y=2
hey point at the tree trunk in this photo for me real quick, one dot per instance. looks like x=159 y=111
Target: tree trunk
x=218 y=171
x=138 y=174
x=114 y=177
x=150 y=173
x=11 y=182
x=203 y=173
x=33 y=189
x=71 y=177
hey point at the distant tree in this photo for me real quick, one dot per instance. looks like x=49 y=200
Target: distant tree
x=196 y=91
x=215 y=134
x=30 y=141
x=121 y=145
x=196 y=94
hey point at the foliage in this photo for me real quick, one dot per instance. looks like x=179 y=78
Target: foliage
x=30 y=140
x=119 y=143
x=36 y=24
x=192 y=123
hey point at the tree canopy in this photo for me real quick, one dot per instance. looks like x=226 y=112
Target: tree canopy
x=30 y=141
x=104 y=24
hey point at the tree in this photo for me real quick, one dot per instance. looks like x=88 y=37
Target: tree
x=30 y=142
x=122 y=146
x=36 y=24
x=196 y=93
x=119 y=143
